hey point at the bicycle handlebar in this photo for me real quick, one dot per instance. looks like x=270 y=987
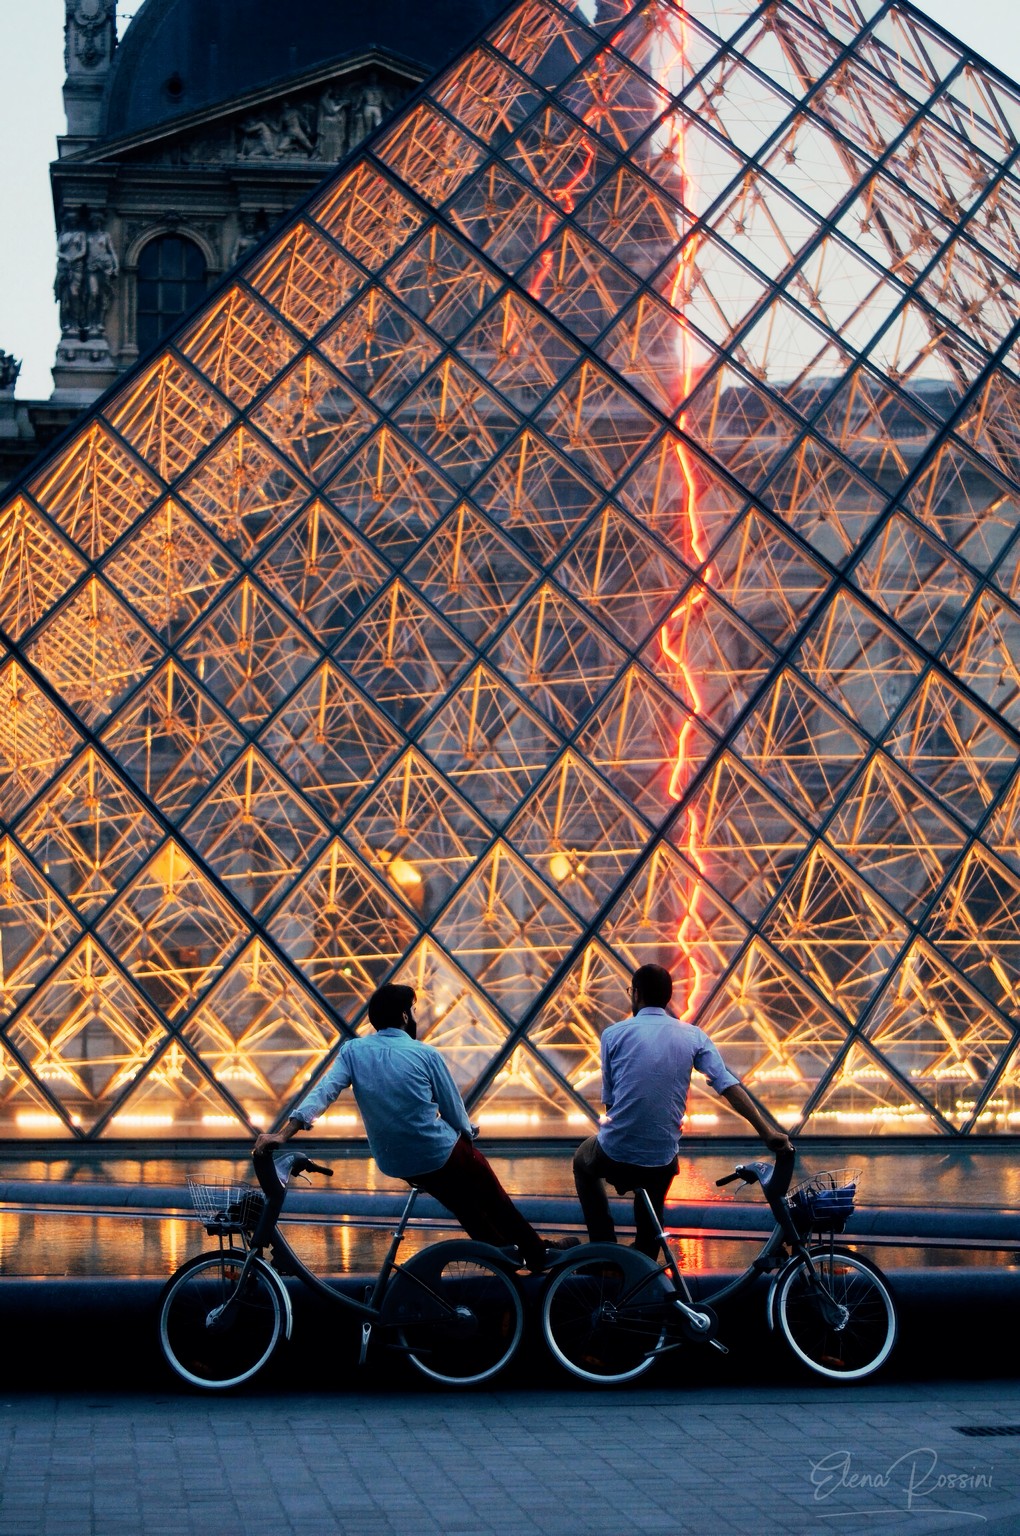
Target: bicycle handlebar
x=774 y=1183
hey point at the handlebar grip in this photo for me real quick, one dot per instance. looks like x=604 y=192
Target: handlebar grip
x=307 y=1166
x=730 y=1178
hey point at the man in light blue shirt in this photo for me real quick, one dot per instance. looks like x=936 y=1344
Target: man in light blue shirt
x=417 y=1126
x=647 y=1061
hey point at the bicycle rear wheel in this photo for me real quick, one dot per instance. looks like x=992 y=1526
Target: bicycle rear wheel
x=214 y=1349
x=605 y=1314
x=457 y=1313
x=846 y=1330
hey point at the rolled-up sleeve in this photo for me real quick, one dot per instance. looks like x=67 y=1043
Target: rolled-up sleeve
x=328 y=1088
x=708 y=1062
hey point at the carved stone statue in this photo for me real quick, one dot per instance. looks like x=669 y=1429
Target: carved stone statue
x=10 y=367
x=253 y=227
x=334 y=114
x=258 y=140
x=368 y=114
x=101 y=268
x=69 y=286
x=293 y=134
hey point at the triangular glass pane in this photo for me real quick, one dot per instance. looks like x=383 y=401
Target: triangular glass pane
x=743 y=841
x=35 y=737
x=508 y=931
x=24 y=1109
x=402 y=656
x=392 y=494
x=343 y=929
x=559 y=659
x=976 y=926
x=304 y=278
x=169 y=570
x=367 y=215
x=95 y=491
x=417 y=834
x=379 y=347
x=172 y=741
x=35 y=927
x=313 y=418
x=89 y=833
x=254 y=833
x=248 y=654
x=330 y=742
x=489 y=745
x=568 y=1030
x=174 y=1098
x=864 y=1099
x=708 y=657
x=87 y=1034
x=472 y=575
x=172 y=931
x=36 y=567
x=238 y=345
x=939 y=1034
x=442 y=281
x=452 y=1015
x=859 y=663
x=322 y=572
x=261 y=1034
x=93 y=651
x=958 y=753
x=487 y=97
x=800 y=746
x=915 y=579
x=622 y=576
x=895 y=836
x=578 y=836
x=244 y=492
x=774 y=1032
x=643 y=740
x=168 y=415
x=668 y=915
x=525 y=1099
x=536 y=497
x=428 y=153
x=835 y=931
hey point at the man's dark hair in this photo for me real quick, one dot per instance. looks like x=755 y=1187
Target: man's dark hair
x=388 y=1004
x=653 y=984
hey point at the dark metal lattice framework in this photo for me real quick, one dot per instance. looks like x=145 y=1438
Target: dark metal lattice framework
x=585 y=534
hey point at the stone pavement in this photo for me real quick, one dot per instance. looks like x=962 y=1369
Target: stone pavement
x=697 y=1462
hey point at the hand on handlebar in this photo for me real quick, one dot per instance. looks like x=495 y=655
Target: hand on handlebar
x=778 y=1142
x=268 y=1141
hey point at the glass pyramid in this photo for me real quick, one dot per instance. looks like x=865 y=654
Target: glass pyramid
x=586 y=534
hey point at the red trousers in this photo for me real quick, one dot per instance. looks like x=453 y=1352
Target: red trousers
x=469 y=1189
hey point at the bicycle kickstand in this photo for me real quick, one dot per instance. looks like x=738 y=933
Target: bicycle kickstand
x=366 y=1334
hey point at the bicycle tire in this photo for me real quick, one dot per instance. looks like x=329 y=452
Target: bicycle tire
x=605 y=1313
x=219 y=1358
x=862 y=1343
x=457 y=1313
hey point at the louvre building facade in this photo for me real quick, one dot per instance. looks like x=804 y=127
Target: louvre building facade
x=585 y=533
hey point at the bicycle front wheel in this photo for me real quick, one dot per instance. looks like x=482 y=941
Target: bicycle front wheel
x=457 y=1313
x=213 y=1335
x=605 y=1314
x=840 y=1323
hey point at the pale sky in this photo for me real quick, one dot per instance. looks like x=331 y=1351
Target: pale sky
x=31 y=117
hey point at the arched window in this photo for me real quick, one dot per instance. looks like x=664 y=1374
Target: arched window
x=171 y=278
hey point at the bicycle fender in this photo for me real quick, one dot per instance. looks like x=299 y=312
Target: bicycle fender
x=407 y=1297
x=282 y=1292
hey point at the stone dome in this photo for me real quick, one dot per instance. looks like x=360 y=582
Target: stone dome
x=179 y=57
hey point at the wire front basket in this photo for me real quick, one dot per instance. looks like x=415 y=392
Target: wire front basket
x=227 y=1207
x=825 y=1202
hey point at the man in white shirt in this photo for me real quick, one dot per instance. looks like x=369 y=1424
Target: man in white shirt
x=647 y=1061
x=417 y=1126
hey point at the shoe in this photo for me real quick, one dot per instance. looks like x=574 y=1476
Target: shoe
x=561 y=1244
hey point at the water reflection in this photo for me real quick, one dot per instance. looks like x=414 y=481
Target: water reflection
x=74 y=1243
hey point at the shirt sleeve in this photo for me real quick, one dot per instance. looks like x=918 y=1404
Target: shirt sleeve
x=708 y=1061
x=447 y=1095
x=325 y=1091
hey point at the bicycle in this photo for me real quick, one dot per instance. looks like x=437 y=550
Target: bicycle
x=453 y=1308
x=609 y=1312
